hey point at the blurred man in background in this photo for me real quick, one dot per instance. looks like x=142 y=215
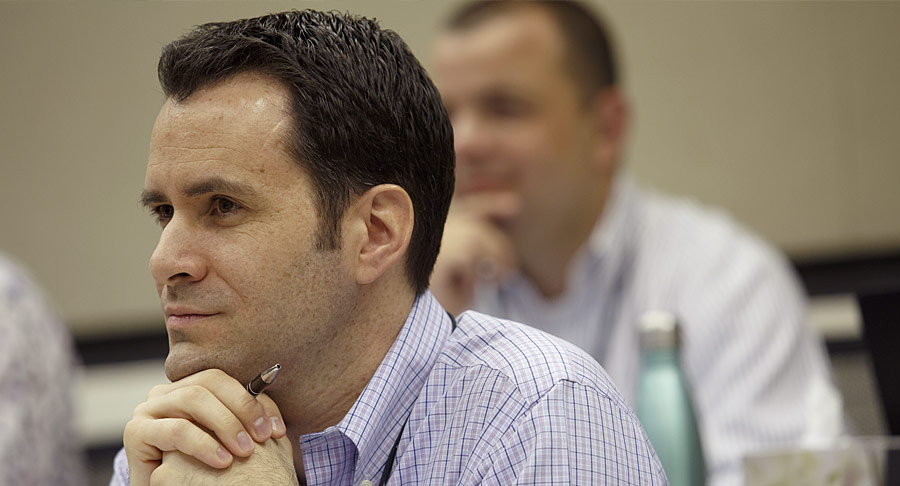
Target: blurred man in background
x=37 y=438
x=544 y=229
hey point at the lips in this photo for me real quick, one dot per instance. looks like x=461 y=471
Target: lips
x=176 y=316
x=484 y=177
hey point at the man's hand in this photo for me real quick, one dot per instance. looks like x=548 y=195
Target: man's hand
x=270 y=464
x=209 y=416
x=474 y=248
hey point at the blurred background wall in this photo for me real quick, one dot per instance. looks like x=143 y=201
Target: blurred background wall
x=787 y=114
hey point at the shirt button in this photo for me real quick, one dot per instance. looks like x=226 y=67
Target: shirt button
x=365 y=482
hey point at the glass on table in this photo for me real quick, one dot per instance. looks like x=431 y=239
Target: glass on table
x=848 y=461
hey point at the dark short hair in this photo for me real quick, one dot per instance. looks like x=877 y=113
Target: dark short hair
x=589 y=51
x=365 y=112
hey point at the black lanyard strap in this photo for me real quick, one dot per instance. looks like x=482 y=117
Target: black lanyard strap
x=389 y=464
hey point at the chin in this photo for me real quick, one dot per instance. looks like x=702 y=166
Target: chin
x=181 y=364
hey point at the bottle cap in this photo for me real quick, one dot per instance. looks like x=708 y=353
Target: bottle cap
x=659 y=329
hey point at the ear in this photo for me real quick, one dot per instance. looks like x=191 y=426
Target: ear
x=610 y=113
x=379 y=229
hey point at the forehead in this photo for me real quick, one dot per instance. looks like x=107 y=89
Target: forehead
x=522 y=42
x=240 y=125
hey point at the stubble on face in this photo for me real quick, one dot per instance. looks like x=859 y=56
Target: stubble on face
x=293 y=316
x=272 y=295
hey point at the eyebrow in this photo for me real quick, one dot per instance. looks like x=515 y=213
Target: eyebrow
x=206 y=186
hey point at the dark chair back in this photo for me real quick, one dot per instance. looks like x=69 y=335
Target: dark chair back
x=881 y=332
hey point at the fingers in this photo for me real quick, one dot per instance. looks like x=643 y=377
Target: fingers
x=143 y=459
x=494 y=256
x=173 y=434
x=209 y=416
x=271 y=463
x=472 y=250
x=173 y=469
x=279 y=430
x=146 y=441
x=218 y=402
x=198 y=404
x=475 y=232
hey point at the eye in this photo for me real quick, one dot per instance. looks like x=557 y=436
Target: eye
x=163 y=213
x=506 y=108
x=505 y=104
x=222 y=206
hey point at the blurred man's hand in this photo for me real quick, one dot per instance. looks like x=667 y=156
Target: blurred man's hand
x=474 y=248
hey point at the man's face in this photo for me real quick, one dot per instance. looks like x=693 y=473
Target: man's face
x=239 y=279
x=521 y=125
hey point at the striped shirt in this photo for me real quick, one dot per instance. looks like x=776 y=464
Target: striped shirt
x=749 y=355
x=492 y=403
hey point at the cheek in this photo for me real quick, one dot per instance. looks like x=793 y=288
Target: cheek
x=530 y=141
x=255 y=267
x=554 y=149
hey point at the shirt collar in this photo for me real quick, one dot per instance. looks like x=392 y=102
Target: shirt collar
x=610 y=236
x=609 y=245
x=378 y=416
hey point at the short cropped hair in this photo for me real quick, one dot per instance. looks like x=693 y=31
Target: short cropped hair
x=590 y=56
x=364 y=110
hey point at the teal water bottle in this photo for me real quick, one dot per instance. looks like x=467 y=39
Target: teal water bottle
x=664 y=404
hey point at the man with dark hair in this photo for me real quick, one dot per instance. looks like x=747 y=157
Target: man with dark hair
x=301 y=170
x=546 y=231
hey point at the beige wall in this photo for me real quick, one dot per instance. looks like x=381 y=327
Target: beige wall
x=787 y=114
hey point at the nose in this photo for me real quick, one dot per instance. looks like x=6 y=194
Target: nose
x=178 y=257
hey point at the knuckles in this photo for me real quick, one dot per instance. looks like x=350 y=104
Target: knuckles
x=159 y=390
x=160 y=476
x=181 y=431
x=132 y=430
x=214 y=375
x=193 y=393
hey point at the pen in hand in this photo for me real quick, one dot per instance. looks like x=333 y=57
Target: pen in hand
x=263 y=380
